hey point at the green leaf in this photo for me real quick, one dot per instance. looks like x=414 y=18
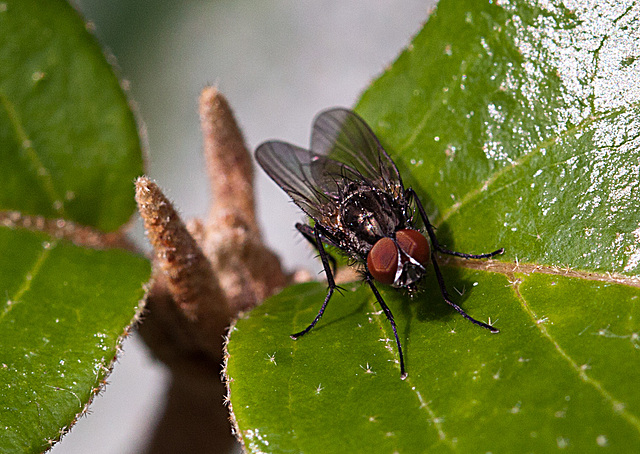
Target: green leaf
x=64 y=310
x=525 y=119
x=69 y=145
x=517 y=124
x=554 y=376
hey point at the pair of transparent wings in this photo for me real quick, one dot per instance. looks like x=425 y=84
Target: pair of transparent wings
x=343 y=150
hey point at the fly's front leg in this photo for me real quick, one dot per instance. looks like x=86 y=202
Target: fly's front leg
x=432 y=236
x=327 y=269
x=389 y=315
x=447 y=299
x=436 y=246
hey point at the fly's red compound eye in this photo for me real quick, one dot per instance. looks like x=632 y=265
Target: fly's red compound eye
x=414 y=244
x=382 y=261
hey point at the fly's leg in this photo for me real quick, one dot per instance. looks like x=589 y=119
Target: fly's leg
x=389 y=315
x=308 y=233
x=432 y=236
x=443 y=289
x=447 y=299
x=317 y=240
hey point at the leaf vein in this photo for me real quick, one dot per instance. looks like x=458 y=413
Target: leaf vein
x=495 y=266
x=437 y=422
x=28 y=279
x=472 y=195
x=617 y=406
x=41 y=171
x=517 y=180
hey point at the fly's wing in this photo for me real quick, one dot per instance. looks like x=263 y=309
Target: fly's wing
x=306 y=177
x=341 y=135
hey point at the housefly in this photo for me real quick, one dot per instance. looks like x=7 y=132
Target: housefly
x=352 y=191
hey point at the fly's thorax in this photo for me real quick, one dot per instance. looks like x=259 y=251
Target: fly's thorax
x=370 y=214
x=400 y=260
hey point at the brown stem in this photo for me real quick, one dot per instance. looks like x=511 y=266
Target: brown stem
x=248 y=271
x=204 y=274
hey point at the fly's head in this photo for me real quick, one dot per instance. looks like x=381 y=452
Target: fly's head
x=399 y=261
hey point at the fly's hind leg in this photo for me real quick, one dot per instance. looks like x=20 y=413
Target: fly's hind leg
x=308 y=233
x=447 y=299
x=313 y=235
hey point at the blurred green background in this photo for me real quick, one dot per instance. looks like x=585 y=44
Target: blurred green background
x=278 y=62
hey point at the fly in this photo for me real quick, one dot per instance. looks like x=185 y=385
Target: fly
x=352 y=191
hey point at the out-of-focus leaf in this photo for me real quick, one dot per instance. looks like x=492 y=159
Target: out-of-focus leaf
x=69 y=149
x=69 y=144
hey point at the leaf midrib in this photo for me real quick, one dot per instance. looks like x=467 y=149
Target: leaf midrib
x=500 y=267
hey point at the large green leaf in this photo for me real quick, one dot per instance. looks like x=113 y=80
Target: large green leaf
x=517 y=124
x=68 y=141
x=554 y=376
x=68 y=149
